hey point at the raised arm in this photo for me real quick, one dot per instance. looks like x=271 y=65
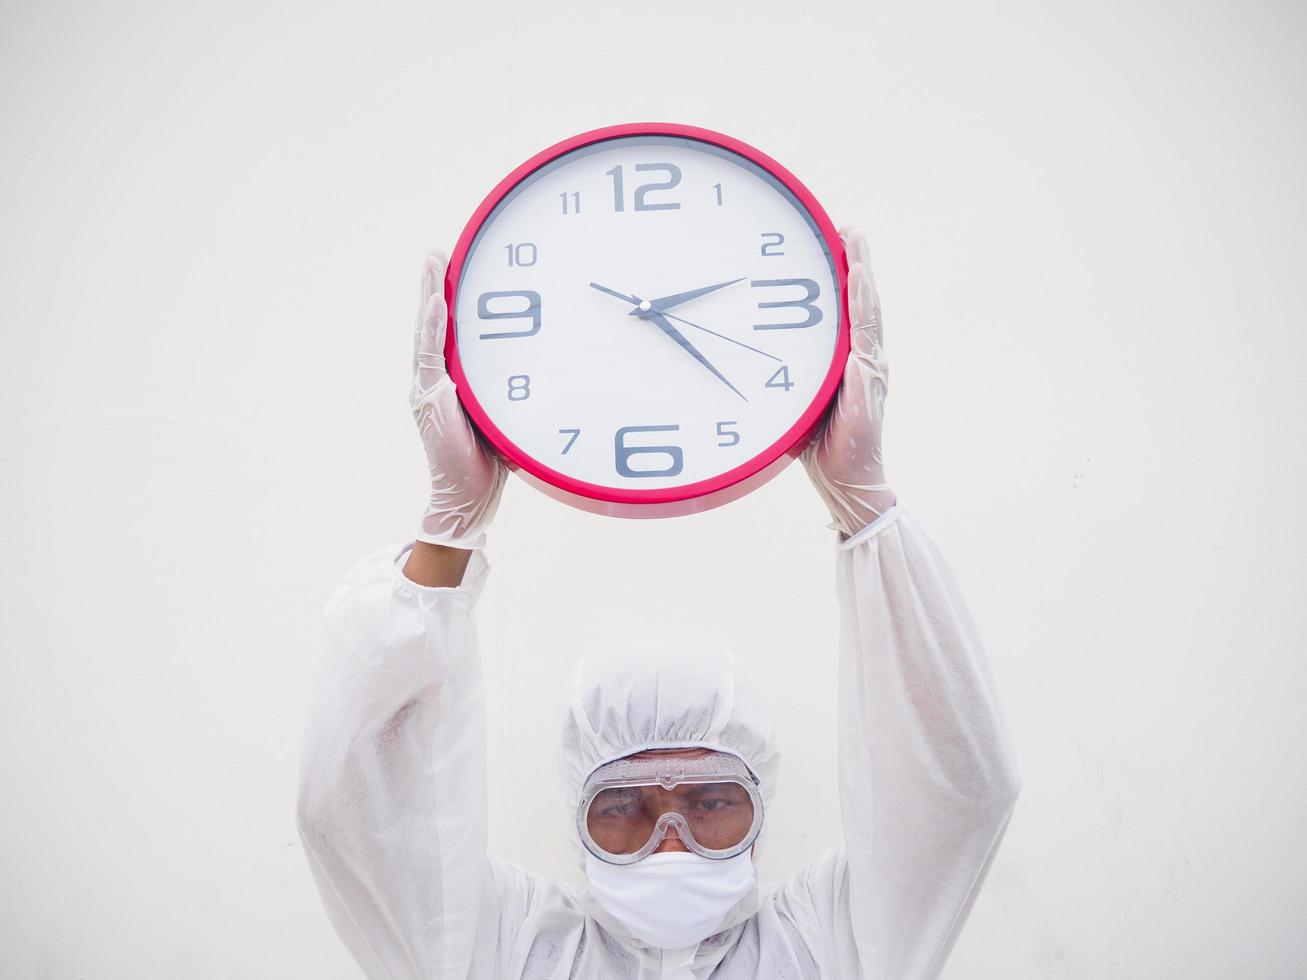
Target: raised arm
x=392 y=808
x=928 y=777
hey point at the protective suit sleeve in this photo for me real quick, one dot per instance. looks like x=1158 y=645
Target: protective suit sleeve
x=928 y=775
x=392 y=804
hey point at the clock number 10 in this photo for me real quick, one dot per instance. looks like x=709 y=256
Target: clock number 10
x=522 y=254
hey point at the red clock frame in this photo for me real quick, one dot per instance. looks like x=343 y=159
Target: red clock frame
x=690 y=498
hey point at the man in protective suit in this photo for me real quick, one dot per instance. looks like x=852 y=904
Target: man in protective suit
x=667 y=758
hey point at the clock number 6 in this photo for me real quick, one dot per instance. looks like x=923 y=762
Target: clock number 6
x=625 y=452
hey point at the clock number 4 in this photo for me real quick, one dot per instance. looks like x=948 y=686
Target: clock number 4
x=781 y=379
x=624 y=453
x=619 y=197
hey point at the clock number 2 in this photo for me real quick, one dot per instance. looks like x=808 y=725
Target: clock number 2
x=625 y=452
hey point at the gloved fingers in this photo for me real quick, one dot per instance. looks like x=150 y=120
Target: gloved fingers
x=429 y=331
x=866 y=330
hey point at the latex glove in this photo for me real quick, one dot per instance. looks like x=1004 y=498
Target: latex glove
x=844 y=459
x=467 y=479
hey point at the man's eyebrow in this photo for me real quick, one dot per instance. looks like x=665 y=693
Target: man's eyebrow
x=698 y=789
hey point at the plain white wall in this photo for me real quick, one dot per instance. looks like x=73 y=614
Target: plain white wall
x=1089 y=229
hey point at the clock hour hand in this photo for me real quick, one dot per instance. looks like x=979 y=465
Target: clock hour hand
x=634 y=300
x=664 y=303
x=676 y=335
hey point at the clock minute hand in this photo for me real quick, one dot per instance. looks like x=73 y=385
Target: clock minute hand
x=664 y=303
x=693 y=351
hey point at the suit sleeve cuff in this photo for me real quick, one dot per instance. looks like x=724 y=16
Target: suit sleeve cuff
x=845 y=542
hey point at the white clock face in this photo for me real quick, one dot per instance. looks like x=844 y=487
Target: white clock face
x=647 y=312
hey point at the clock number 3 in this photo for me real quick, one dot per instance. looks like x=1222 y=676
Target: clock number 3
x=810 y=288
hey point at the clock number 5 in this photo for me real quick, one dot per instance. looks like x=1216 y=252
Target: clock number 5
x=532 y=312
x=625 y=452
x=810 y=288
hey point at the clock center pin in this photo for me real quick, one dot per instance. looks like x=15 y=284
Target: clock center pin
x=645 y=306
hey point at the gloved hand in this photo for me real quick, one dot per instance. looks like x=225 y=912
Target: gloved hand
x=467 y=479
x=843 y=459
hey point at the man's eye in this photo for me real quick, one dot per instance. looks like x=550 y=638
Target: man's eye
x=710 y=805
x=617 y=810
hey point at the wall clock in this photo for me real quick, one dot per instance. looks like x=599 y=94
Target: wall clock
x=647 y=320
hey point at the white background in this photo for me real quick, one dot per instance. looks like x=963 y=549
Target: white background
x=1088 y=225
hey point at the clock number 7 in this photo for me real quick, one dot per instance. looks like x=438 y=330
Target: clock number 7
x=575 y=433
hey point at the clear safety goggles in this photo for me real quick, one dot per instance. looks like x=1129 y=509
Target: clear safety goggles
x=629 y=806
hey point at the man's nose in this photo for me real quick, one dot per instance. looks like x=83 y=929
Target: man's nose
x=671 y=842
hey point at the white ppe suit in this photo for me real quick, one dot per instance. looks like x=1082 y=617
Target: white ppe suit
x=392 y=806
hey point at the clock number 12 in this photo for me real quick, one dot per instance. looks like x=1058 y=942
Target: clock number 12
x=619 y=197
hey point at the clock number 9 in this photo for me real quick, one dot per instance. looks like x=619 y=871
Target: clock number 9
x=625 y=452
x=532 y=312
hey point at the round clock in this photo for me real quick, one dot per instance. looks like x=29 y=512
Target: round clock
x=648 y=320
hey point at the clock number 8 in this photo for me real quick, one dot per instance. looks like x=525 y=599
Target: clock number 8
x=519 y=392
x=625 y=452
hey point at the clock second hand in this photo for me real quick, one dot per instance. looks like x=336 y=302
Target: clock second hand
x=636 y=301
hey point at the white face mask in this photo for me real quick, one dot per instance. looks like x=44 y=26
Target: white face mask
x=671 y=900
